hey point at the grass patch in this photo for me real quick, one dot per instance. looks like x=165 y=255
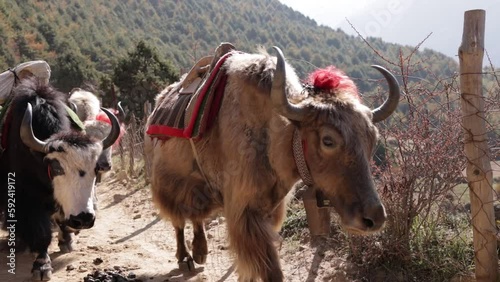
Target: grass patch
x=439 y=250
x=442 y=252
x=295 y=224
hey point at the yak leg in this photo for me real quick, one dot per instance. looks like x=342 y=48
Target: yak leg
x=200 y=248
x=182 y=253
x=35 y=230
x=65 y=239
x=253 y=239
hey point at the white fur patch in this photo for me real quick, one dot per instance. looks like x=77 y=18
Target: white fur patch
x=74 y=192
x=87 y=104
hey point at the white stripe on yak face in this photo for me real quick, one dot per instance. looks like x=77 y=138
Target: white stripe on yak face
x=74 y=189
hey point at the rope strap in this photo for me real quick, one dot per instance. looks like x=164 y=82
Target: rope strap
x=300 y=160
x=198 y=161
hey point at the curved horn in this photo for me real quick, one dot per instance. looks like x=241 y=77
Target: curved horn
x=115 y=130
x=121 y=112
x=391 y=103
x=73 y=106
x=278 y=91
x=26 y=133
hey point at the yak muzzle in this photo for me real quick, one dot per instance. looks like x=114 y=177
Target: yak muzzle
x=83 y=220
x=366 y=219
x=361 y=218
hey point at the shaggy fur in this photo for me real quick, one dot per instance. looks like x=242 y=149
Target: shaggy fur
x=248 y=161
x=65 y=194
x=88 y=106
x=96 y=122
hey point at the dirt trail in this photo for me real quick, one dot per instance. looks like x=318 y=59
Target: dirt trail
x=129 y=236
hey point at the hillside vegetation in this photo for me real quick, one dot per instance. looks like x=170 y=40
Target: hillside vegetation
x=83 y=40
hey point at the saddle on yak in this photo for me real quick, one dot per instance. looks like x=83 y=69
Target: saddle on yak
x=199 y=96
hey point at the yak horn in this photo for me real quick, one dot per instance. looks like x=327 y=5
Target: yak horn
x=278 y=91
x=115 y=130
x=121 y=112
x=73 y=107
x=26 y=133
x=391 y=103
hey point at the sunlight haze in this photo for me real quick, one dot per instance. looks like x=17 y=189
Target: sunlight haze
x=406 y=22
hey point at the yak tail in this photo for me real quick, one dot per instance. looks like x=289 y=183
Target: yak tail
x=254 y=241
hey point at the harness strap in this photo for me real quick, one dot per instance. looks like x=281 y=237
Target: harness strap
x=198 y=161
x=298 y=147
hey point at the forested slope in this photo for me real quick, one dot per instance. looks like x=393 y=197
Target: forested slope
x=82 y=39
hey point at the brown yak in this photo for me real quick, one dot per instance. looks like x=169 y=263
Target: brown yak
x=247 y=162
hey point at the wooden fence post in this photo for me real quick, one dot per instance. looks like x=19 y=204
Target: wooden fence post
x=132 y=145
x=479 y=174
x=318 y=218
x=147 y=162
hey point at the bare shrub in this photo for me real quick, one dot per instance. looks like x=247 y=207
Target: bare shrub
x=421 y=180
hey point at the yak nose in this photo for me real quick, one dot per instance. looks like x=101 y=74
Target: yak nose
x=83 y=220
x=374 y=217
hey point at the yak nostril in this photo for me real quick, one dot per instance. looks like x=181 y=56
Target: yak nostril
x=75 y=222
x=368 y=222
x=374 y=217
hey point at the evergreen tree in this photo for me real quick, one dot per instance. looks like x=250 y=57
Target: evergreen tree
x=141 y=76
x=72 y=70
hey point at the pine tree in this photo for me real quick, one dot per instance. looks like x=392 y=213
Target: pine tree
x=140 y=76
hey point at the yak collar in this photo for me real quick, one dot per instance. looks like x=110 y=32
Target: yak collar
x=299 y=146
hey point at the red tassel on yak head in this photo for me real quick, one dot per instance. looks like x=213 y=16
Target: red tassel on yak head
x=333 y=80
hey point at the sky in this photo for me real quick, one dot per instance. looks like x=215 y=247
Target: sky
x=407 y=22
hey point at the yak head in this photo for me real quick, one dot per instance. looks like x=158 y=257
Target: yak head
x=339 y=136
x=87 y=106
x=71 y=159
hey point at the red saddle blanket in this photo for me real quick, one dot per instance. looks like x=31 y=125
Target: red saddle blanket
x=189 y=115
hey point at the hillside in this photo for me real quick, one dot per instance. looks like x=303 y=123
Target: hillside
x=82 y=40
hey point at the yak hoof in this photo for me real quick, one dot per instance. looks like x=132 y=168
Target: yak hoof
x=66 y=247
x=200 y=259
x=42 y=268
x=41 y=272
x=187 y=261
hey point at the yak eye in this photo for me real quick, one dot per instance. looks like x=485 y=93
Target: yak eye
x=82 y=173
x=60 y=149
x=328 y=141
x=52 y=149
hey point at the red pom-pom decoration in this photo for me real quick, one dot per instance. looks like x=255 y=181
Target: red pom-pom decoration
x=331 y=79
x=103 y=117
x=325 y=79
